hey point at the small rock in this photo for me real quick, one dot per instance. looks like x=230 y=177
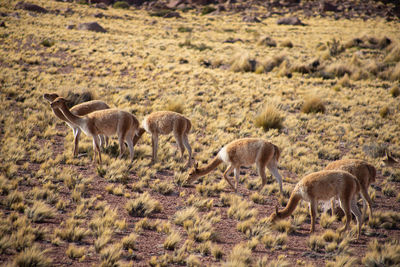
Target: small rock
x=15 y=15
x=101 y=6
x=183 y=61
x=174 y=3
x=251 y=19
x=70 y=27
x=3 y=25
x=267 y=41
x=91 y=26
x=30 y=7
x=172 y=15
x=233 y=40
x=68 y=11
x=327 y=6
x=290 y=21
x=99 y=15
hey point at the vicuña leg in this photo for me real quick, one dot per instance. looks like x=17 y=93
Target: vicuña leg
x=189 y=149
x=154 y=141
x=261 y=172
x=333 y=206
x=77 y=134
x=345 y=205
x=236 y=172
x=313 y=212
x=96 y=148
x=357 y=213
x=179 y=141
x=226 y=174
x=274 y=170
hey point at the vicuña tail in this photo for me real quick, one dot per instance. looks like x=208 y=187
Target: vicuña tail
x=277 y=153
x=372 y=171
x=138 y=134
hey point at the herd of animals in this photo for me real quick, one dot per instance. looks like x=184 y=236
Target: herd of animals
x=343 y=179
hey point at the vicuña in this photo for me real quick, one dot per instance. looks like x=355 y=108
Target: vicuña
x=78 y=110
x=165 y=122
x=324 y=185
x=103 y=122
x=244 y=152
x=363 y=171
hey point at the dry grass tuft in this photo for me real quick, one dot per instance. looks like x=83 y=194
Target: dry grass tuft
x=189 y=213
x=77 y=98
x=344 y=81
x=326 y=220
x=117 y=171
x=240 y=209
x=172 y=240
x=316 y=243
x=343 y=261
x=283 y=227
x=176 y=105
x=129 y=241
x=269 y=64
x=75 y=252
x=72 y=232
x=313 y=105
x=143 y=205
x=286 y=43
x=269 y=118
x=33 y=256
x=267 y=262
x=395 y=91
x=40 y=211
x=111 y=255
x=387 y=254
x=243 y=63
x=338 y=69
x=393 y=56
x=239 y=256
x=384 y=111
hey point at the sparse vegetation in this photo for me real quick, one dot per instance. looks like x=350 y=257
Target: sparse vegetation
x=221 y=72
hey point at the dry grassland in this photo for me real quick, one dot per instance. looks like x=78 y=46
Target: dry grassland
x=330 y=96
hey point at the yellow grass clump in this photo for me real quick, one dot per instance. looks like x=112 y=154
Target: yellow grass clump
x=269 y=118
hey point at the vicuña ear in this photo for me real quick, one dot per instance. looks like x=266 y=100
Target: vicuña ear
x=196 y=165
x=276 y=209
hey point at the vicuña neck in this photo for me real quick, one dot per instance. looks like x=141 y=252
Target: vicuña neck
x=211 y=166
x=291 y=206
x=71 y=117
x=59 y=114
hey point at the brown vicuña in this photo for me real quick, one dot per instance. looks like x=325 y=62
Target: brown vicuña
x=244 y=152
x=165 y=122
x=103 y=122
x=78 y=110
x=324 y=185
x=363 y=171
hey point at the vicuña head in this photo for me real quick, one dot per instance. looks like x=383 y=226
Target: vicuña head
x=243 y=152
x=324 y=185
x=194 y=173
x=50 y=96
